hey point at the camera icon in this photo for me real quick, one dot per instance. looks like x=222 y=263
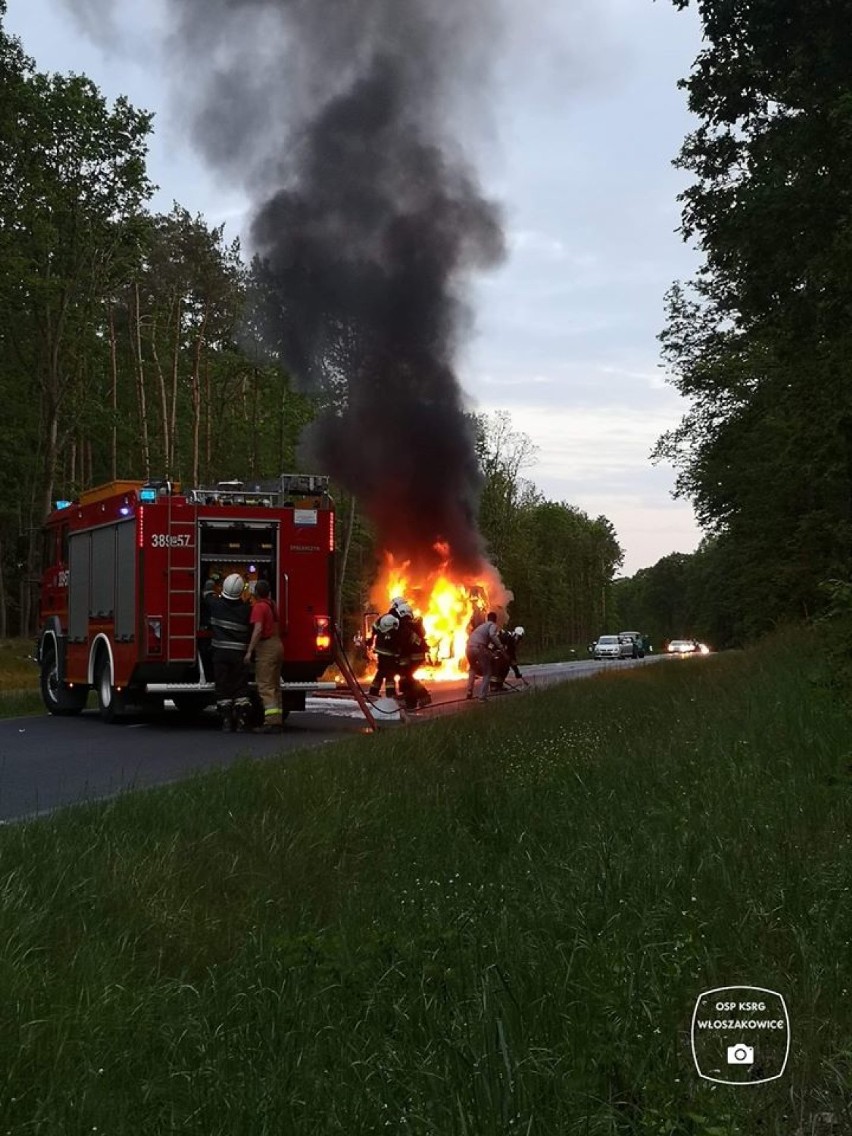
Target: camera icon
x=740 y=1054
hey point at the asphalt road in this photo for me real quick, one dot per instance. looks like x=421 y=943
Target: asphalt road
x=48 y=762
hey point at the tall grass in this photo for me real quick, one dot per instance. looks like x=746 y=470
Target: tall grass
x=18 y=672
x=18 y=703
x=496 y=923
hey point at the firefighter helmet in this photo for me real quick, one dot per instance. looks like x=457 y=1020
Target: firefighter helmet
x=234 y=586
x=388 y=623
x=397 y=601
x=519 y=632
x=404 y=609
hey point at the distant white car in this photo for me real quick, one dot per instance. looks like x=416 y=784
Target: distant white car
x=687 y=647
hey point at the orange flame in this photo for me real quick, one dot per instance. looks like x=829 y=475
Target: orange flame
x=448 y=604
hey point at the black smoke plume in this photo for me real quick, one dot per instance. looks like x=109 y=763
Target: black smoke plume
x=346 y=120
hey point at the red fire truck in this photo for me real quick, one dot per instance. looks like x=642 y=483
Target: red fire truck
x=127 y=563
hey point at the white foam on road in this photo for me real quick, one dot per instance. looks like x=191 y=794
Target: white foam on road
x=337 y=707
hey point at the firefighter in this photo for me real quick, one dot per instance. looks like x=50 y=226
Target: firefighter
x=413 y=651
x=228 y=617
x=509 y=641
x=265 y=645
x=482 y=642
x=205 y=647
x=384 y=639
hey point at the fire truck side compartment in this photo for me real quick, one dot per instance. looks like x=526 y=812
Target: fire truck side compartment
x=79 y=559
x=102 y=580
x=103 y=573
x=125 y=581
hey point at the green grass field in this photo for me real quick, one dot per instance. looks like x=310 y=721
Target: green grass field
x=492 y=924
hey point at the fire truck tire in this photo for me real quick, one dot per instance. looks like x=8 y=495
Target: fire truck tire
x=57 y=697
x=111 y=702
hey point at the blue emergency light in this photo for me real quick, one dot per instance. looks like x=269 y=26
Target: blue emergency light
x=147 y=494
x=63 y=504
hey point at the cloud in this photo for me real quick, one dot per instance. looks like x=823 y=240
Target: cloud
x=129 y=31
x=521 y=381
x=597 y=459
x=535 y=246
x=547 y=384
x=590 y=440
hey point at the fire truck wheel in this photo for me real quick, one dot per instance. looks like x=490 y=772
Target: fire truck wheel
x=110 y=701
x=57 y=697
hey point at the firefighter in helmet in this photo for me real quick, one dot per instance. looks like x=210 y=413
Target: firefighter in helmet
x=413 y=652
x=509 y=641
x=384 y=639
x=229 y=620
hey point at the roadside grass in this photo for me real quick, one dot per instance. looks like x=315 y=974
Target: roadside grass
x=496 y=923
x=18 y=679
x=20 y=703
x=17 y=669
x=567 y=652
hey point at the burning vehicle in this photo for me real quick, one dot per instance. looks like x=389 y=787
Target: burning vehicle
x=449 y=604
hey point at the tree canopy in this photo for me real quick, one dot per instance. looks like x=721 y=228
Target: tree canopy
x=759 y=341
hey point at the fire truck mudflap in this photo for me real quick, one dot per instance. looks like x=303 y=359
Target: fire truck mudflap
x=126 y=566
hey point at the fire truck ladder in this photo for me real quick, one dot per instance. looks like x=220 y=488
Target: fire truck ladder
x=181 y=611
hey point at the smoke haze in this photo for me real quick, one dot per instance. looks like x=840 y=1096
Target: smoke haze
x=348 y=121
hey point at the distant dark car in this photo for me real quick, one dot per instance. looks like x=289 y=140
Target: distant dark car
x=637 y=643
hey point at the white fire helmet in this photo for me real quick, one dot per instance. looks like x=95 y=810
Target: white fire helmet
x=234 y=586
x=388 y=623
x=397 y=601
x=519 y=632
x=403 y=609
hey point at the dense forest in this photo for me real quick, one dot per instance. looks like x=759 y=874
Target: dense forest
x=759 y=341
x=130 y=345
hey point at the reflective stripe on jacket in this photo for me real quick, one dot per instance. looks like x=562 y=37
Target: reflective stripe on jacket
x=229 y=622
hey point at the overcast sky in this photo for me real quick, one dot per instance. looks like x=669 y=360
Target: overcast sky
x=585 y=120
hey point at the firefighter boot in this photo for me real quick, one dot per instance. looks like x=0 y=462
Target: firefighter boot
x=242 y=716
x=272 y=723
x=225 y=711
